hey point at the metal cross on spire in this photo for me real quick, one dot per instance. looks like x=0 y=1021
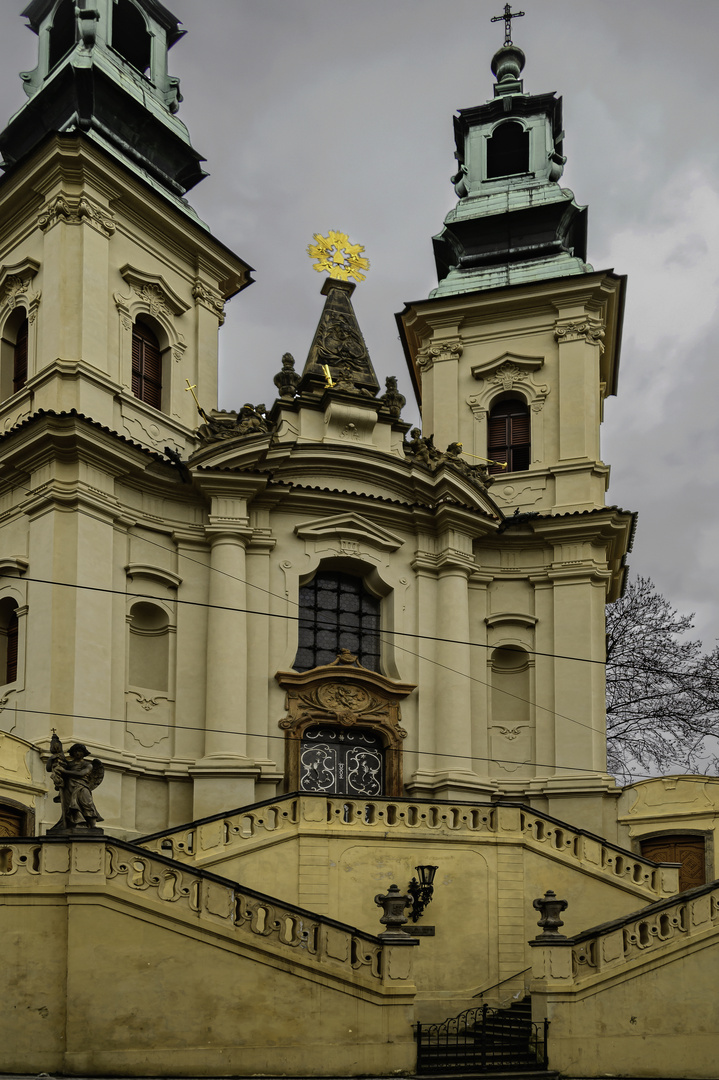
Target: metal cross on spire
x=508 y=16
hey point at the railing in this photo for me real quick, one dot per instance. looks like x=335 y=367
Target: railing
x=212 y=837
x=608 y=947
x=509 y=979
x=482 y=1040
x=217 y=902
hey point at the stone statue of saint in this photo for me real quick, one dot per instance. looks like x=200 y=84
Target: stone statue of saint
x=75 y=778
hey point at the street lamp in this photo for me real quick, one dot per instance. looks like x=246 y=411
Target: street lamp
x=421 y=890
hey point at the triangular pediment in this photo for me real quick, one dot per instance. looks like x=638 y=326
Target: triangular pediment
x=349 y=527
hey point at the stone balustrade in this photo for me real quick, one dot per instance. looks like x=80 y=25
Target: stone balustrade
x=217 y=837
x=613 y=946
x=214 y=902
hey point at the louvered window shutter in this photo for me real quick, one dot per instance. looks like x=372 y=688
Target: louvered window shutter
x=146 y=366
x=20 y=358
x=136 y=365
x=11 y=654
x=508 y=436
x=498 y=441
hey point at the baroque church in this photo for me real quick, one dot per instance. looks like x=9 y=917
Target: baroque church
x=330 y=668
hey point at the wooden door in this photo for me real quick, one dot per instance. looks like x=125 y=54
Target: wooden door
x=687 y=850
x=11 y=821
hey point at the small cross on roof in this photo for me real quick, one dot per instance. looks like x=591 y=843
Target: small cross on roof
x=508 y=16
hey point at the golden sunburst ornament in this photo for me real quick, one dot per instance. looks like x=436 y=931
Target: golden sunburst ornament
x=337 y=257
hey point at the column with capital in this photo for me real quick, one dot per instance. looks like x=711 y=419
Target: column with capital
x=453 y=697
x=225 y=776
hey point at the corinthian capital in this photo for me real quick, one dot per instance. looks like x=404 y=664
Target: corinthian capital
x=438 y=352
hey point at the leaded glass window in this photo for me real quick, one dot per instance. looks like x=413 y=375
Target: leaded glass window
x=337 y=612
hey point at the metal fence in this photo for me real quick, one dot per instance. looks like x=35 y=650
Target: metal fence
x=483 y=1040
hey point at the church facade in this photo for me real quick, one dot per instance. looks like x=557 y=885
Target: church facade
x=312 y=648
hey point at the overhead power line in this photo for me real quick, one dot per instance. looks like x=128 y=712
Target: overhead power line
x=286 y=735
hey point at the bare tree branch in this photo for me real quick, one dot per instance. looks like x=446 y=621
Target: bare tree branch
x=662 y=692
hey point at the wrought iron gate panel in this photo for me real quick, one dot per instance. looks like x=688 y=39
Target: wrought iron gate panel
x=334 y=761
x=482 y=1040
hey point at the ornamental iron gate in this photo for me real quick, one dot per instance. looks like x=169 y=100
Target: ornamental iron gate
x=337 y=761
x=484 y=1040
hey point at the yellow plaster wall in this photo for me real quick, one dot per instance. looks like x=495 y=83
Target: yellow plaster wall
x=660 y=1020
x=22 y=780
x=107 y=982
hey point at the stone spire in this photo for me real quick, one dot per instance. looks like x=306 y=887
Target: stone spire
x=513 y=222
x=102 y=70
x=339 y=345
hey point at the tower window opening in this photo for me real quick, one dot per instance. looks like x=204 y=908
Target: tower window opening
x=19 y=368
x=508 y=437
x=63 y=34
x=337 y=612
x=508 y=151
x=130 y=37
x=146 y=366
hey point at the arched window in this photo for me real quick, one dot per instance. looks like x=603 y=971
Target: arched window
x=508 y=435
x=19 y=367
x=8 y=640
x=149 y=661
x=337 y=612
x=63 y=32
x=130 y=36
x=146 y=366
x=508 y=151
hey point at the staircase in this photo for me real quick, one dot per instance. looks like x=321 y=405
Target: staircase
x=485 y=1041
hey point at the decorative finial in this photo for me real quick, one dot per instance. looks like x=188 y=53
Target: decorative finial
x=508 y=16
x=337 y=257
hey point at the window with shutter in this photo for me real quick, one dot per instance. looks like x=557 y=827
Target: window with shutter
x=146 y=366
x=19 y=370
x=508 y=435
x=336 y=612
x=8 y=640
x=11 y=655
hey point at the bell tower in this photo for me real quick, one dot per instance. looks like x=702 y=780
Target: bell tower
x=111 y=282
x=512 y=356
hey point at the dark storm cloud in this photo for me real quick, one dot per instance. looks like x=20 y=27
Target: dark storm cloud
x=318 y=114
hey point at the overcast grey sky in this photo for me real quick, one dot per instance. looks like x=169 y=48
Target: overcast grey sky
x=320 y=114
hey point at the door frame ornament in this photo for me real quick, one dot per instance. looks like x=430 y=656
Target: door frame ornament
x=345 y=694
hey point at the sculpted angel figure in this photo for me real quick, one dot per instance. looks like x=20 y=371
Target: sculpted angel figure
x=75 y=778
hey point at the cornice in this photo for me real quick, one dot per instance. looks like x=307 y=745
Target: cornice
x=154 y=573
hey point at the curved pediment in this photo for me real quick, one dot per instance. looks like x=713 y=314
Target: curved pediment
x=519 y=364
